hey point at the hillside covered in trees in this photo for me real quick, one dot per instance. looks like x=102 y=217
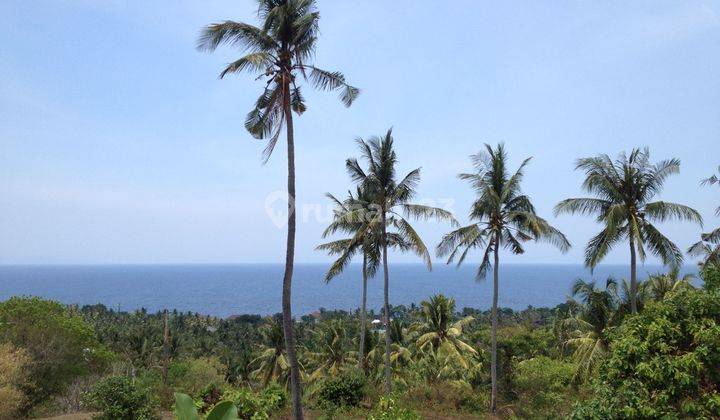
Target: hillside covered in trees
x=587 y=358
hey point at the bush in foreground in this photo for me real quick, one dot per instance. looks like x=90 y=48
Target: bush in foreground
x=251 y=405
x=389 y=409
x=118 y=398
x=346 y=390
x=13 y=366
x=60 y=344
x=663 y=362
x=543 y=387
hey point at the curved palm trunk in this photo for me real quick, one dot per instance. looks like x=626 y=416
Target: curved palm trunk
x=493 y=333
x=633 y=276
x=388 y=374
x=289 y=261
x=361 y=358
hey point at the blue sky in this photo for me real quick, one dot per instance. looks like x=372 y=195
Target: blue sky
x=119 y=144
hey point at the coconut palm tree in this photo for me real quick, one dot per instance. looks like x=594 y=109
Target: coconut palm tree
x=623 y=191
x=660 y=284
x=709 y=245
x=503 y=217
x=712 y=180
x=708 y=248
x=444 y=335
x=331 y=357
x=624 y=296
x=272 y=364
x=598 y=311
x=349 y=217
x=390 y=200
x=401 y=336
x=279 y=50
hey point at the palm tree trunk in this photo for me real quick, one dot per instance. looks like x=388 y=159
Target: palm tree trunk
x=166 y=348
x=493 y=333
x=361 y=358
x=388 y=374
x=633 y=275
x=288 y=332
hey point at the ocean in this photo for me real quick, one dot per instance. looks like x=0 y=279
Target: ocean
x=229 y=289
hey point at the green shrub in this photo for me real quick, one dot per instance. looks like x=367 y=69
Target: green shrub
x=389 y=409
x=118 y=398
x=543 y=386
x=663 y=362
x=345 y=390
x=251 y=405
x=273 y=398
x=711 y=277
x=474 y=401
x=210 y=395
x=60 y=344
x=192 y=376
x=13 y=371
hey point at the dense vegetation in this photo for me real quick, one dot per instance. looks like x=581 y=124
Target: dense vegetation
x=588 y=358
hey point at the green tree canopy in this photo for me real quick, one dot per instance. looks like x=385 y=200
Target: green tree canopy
x=663 y=362
x=60 y=344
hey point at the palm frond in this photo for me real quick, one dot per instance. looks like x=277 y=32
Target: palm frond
x=418 y=246
x=428 y=212
x=661 y=245
x=662 y=211
x=326 y=80
x=235 y=34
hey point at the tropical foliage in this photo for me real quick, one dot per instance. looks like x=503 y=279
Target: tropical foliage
x=598 y=309
x=623 y=191
x=663 y=362
x=708 y=248
x=503 y=217
x=388 y=198
x=60 y=344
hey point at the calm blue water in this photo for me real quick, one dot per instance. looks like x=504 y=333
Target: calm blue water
x=224 y=290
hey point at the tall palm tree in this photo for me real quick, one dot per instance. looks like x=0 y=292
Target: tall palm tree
x=349 y=217
x=390 y=200
x=623 y=189
x=599 y=309
x=443 y=335
x=280 y=49
x=502 y=217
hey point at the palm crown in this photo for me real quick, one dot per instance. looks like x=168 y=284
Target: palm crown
x=599 y=309
x=712 y=180
x=503 y=215
x=350 y=217
x=709 y=245
x=386 y=201
x=277 y=51
x=624 y=189
x=272 y=364
x=443 y=333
